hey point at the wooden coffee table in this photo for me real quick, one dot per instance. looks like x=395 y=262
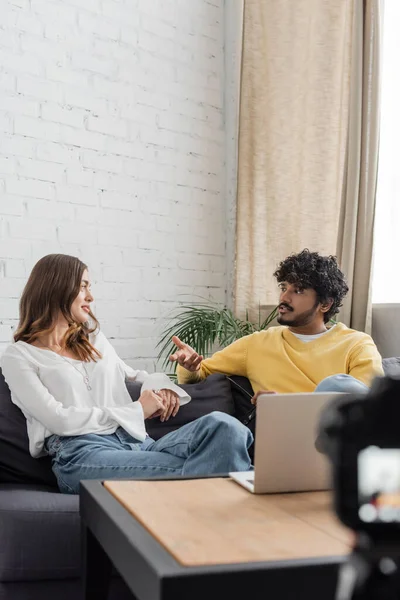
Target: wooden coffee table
x=209 y=539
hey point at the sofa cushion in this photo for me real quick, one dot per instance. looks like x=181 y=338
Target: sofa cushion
x=40 y=534
x=242 y=393
x=391 y=366
x=16 y=464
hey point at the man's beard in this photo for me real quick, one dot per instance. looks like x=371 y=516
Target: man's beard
x=300 y=320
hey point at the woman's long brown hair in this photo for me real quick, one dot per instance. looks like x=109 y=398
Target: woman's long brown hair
x=53 y=285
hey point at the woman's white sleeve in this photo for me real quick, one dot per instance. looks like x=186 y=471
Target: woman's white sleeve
x=29 y=393
x=153 y=381
x=161 y=381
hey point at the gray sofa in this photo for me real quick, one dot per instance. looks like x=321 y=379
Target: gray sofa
x=386 y=329
x=40 y=548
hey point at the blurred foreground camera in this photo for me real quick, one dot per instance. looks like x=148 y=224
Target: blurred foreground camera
x=361 y=436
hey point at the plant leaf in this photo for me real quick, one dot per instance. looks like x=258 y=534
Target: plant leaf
x=201 y=325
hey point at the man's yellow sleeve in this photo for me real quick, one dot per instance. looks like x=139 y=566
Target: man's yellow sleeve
x=232 y=360
x=366 y=363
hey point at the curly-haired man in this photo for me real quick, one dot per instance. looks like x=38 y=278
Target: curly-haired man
x=308 y=352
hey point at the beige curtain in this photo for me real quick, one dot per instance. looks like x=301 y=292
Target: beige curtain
x=294 y=139
x=355 y=239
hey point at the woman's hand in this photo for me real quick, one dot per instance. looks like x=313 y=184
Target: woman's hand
x=171 y=404
x=257 y=394
x=152 y=404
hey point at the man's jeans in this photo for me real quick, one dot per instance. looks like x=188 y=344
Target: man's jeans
x=215 y=443
x=341 y=383
x=337 y=383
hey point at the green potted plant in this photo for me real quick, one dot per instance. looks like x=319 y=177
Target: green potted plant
x=202 y=326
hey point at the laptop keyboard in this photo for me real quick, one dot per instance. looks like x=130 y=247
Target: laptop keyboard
x=250 y=478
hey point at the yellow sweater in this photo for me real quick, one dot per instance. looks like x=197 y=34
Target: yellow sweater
x=275 y=359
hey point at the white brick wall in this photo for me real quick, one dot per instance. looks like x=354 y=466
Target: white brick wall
x=112 y=148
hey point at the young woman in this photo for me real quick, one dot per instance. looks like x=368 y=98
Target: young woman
x=70 y=384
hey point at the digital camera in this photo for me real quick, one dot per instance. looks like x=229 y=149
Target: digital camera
x=361 y=435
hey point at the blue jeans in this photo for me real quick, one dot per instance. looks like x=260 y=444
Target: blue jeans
x=213 y=444
x=341 y=383
x=336 y=383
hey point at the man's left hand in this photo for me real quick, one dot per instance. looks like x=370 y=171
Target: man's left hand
x=257 y=394
x=171 y=404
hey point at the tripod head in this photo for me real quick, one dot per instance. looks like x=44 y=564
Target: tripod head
x=370 y=573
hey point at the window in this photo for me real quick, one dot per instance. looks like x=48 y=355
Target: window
x=386 y=276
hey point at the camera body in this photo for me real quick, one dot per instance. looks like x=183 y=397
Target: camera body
x=361 y=435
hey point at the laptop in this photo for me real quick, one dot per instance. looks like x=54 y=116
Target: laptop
x=285 y=456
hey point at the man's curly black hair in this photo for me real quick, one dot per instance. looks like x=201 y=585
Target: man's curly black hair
x=321 y=273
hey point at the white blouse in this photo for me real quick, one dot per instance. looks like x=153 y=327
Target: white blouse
x=52 y=394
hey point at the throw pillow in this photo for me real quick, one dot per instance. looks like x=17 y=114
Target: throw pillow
x=242 y=392
x=16 y=464
x=391 y=366
x=214 y=393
